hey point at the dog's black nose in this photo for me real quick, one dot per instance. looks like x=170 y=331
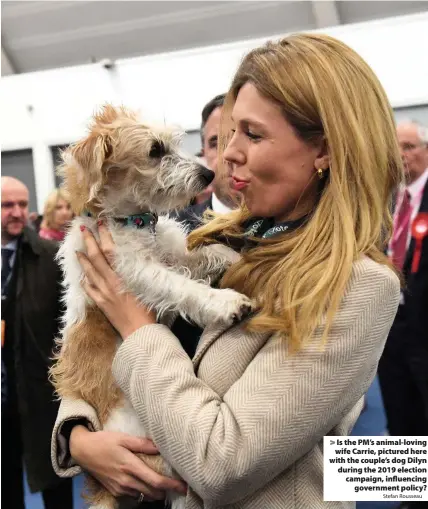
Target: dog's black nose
x=206 y=174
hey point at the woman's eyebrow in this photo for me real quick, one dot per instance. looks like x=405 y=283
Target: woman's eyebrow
x=251 y=121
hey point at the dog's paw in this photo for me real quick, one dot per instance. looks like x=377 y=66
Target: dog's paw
x=228 y=307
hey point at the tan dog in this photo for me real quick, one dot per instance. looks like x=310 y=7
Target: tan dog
x=127 y=173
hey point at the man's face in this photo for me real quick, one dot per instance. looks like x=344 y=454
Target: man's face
x=221 y=187
x=414 y=152
x=211 y=133
x=14 y=210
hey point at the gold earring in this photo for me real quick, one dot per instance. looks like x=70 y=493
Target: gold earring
x=320 y=172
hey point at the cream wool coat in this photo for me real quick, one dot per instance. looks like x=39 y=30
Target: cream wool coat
x=243 y=422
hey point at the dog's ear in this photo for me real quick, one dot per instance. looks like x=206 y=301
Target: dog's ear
x=90 y=155
x=83 y=169
x=107 y=115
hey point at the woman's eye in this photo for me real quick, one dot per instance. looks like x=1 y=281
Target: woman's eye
x=252 y=136
x=249 y=134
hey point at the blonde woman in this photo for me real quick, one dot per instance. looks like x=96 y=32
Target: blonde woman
x=312 y=148
x=56 y=216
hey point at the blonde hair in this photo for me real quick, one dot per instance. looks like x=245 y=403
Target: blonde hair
x=328 y=94
x=50 y=206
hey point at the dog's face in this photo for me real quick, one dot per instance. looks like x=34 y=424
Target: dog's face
x=124 y=167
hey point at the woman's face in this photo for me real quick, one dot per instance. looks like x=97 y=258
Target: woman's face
x=62 y=214
x=275 y=171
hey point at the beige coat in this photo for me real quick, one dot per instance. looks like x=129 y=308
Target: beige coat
x=246 y=432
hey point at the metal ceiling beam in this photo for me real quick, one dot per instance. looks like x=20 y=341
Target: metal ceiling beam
x=6 y=65
x=325 y=13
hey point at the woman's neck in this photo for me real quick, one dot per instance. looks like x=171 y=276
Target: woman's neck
x=297 y=213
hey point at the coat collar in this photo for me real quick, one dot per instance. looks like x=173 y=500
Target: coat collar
x=31 y=240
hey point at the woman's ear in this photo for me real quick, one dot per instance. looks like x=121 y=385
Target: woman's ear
x=322 y=161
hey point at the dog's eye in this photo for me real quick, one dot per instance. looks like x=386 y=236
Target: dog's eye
x=157 y=150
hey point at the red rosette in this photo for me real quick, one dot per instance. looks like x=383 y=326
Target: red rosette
x=419 y=232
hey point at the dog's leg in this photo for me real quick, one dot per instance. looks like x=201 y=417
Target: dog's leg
x=210 y=261
x=161 y=288
x=202 y=263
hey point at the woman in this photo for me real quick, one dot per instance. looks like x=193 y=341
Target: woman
x=56 y=216
x=313 y=152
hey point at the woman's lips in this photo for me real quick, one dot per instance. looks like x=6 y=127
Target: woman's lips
x=238 y=184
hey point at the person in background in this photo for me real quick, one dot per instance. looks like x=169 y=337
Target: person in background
x=403 y=369
x=57 y=215
x=30 y=313
x=218 y=196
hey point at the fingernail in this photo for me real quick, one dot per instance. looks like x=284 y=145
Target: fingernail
x=100 y=222
x=82 y=227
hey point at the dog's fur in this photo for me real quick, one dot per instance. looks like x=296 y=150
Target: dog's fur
x=121 y=168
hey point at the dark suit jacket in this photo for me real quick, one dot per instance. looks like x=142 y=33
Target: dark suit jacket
x=192 y=216
x=32 y=317
x=411 y=323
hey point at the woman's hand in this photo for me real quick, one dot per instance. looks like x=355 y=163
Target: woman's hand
x=104 y=286
x=109 y=457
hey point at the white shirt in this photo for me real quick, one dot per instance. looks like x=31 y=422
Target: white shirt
x=415 y=190
x=219 y=207
x=12 y=246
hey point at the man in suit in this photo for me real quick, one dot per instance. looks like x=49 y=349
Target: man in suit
x=30 y=290
x=218 y=196
x=403 y=369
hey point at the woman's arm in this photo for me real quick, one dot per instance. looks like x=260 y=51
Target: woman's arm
x=227 y=448
x=71 y=413
x=78 y=443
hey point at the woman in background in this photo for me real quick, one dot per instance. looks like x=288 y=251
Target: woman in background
x=56 y=216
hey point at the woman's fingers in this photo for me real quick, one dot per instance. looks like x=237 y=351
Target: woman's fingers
x=138 y=487
x=107 y=244
x=156 y=482
x=138 y=444
x=94 y=279
x=95 y=255
x=92 y=292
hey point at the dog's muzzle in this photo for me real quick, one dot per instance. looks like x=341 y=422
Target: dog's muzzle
x=206 y=174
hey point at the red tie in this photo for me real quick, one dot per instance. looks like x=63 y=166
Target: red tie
x=401 y=231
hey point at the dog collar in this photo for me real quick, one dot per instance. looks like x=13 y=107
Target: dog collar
x=144 y=220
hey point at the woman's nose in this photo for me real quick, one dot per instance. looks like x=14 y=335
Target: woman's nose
x=233 y=154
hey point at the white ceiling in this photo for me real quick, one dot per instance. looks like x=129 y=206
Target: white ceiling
x=45 y=35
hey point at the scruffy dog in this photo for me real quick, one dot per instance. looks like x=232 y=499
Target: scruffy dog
x=127 y=173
